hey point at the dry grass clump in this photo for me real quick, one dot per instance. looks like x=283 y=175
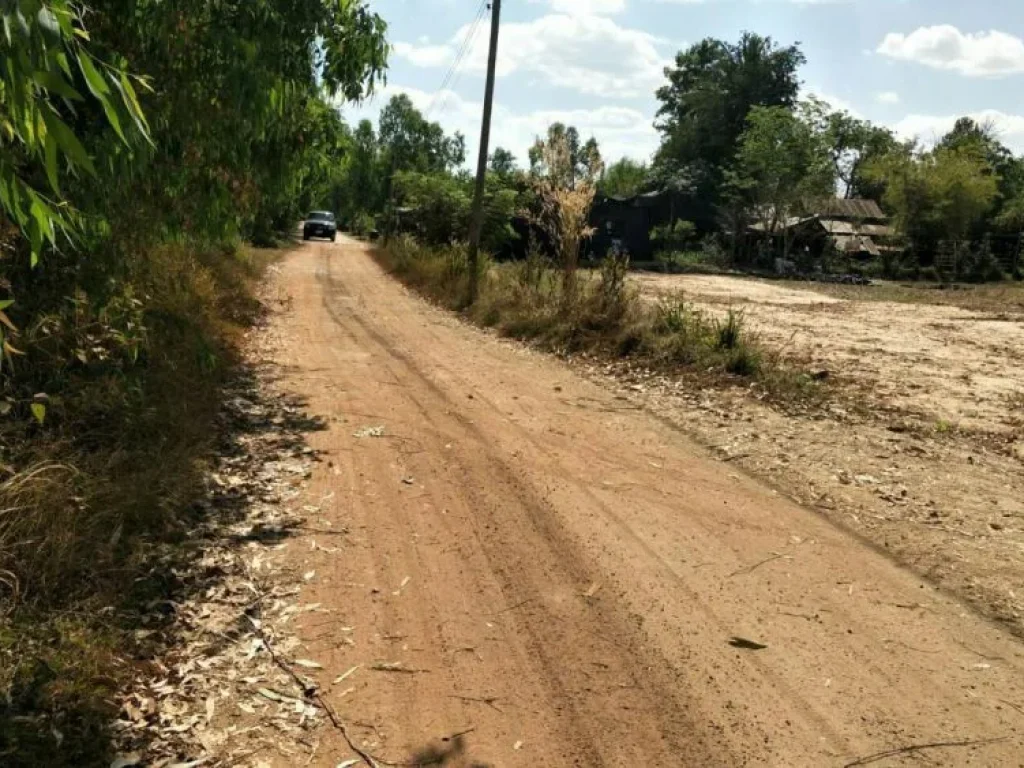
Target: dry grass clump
x=597 y=313
x=133 y=387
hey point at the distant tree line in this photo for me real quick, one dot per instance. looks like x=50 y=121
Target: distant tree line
x=739 y=146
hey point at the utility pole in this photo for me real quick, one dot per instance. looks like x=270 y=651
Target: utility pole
x=481 y=168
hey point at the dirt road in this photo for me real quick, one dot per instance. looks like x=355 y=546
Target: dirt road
x=567 y=580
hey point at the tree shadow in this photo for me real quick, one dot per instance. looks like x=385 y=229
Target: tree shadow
x=61 y=704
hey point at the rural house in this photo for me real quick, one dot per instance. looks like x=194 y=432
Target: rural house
x=856 y=228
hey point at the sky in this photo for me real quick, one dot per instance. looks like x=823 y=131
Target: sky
x=913 y=65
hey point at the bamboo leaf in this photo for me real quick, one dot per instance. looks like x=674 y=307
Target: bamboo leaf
x=67 y=140
x=93 y=78
x=54 y=83
x=52 y=162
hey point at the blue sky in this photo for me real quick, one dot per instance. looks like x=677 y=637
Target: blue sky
x=914 y=65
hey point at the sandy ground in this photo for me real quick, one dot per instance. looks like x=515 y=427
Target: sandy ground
x=941 y=364
x=527 y=568
x=922 y=450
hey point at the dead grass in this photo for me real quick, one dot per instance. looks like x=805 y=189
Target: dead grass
x=133 y=392
x=600 y=314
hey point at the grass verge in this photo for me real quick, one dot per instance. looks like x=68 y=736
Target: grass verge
x=598 y=314
x=133 y=388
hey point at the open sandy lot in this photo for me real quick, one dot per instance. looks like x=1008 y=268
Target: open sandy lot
x=920 y=449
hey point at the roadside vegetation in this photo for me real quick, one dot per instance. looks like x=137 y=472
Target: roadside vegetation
x=745 y=155
x=142 y=146
x=550 y=301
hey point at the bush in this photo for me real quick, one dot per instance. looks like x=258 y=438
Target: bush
x=363 y=224
x=603 y=316
x=132 y=386
x=730 y=332
x=673 y=237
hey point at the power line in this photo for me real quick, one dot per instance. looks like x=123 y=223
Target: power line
x=441 y=96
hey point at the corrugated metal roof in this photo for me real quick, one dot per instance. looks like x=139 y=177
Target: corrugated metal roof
x=792 y=221
x=855 y=244
x=851 y=209
x=838 y=227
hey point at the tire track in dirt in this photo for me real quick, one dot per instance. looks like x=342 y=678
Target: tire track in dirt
x=496 y=550
x=520 y=493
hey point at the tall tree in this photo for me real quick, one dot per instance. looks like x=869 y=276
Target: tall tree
x=561 y=157
x=936 y=195
x=982 y=140
x=413 y=143
x=709 y=94
x=782 y=168
x=503 y=163
x=623 y=178
x=851 y=144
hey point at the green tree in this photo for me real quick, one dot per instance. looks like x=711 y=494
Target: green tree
x=851 y=144
x=936 y=195
x=359 y=186
x=47 y=70
x=782 y=168
x=412 y=143
x=705 y=104
x=229 y=82
x=624 y=178
x=502 y=163
x=982 y=140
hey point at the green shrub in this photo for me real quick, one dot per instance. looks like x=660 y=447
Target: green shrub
x=730 y=332
x=363 y=224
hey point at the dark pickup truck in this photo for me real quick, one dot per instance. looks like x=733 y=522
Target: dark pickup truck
x=320 y=224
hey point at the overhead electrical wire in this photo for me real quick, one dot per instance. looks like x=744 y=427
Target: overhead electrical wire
x=455 y=70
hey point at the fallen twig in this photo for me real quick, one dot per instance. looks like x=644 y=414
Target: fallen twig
x=397 y=667
x=878 y=756
x=520 y=604
x=755 y=566
x=460 y=734
x=488 y=700
x=1014 y=706
x=311 y=693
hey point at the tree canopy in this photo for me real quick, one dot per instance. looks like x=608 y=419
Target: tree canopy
x=562 y=157
x=710 y=92
x=624 y=178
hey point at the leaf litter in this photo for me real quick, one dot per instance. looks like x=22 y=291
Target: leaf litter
x=212 y=692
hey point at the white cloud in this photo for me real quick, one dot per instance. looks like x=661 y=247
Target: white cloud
x=424 y=54
x=928 y=129
x=888 y=97
x=589 y=54
x=585 y=7
x=837 y=103
x=621 y=131
x=979 y=54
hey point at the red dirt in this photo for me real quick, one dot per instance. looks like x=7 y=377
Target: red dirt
x=561 y=573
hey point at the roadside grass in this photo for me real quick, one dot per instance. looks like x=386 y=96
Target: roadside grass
x=133 y=392
x=602 y=315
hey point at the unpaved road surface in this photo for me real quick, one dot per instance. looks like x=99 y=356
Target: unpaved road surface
x=566 y=579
